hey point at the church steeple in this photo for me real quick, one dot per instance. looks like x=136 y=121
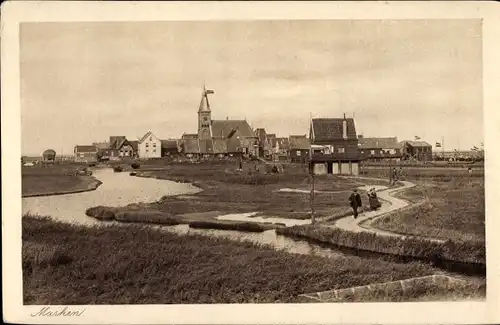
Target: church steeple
x=204 y=115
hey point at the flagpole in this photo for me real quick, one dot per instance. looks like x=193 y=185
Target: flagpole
x=311 y=175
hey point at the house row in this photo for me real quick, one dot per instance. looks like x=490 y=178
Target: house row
x=119 y=147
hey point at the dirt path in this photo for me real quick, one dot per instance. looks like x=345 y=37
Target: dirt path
x=389 y=202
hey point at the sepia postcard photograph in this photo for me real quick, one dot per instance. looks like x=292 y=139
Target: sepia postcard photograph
x=250 y=162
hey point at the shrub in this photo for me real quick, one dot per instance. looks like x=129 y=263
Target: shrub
x=118 y=169
x=135 y=165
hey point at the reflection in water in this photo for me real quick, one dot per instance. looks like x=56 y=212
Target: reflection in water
x=120 y=189
x=249 y=217
x=117 y=189
x=268 y=237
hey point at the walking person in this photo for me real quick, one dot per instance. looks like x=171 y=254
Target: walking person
x=394 y=175
x=355 y=202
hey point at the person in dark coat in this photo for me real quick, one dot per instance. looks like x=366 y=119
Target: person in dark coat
x=355 y=202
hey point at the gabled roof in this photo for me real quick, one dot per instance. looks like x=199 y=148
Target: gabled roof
x=272 y=139
x=299 y=142
x=85 y=149
x=222 y=128
x=145 y=136
x=134 y=144
x=283 y=143
x=376 y=143
x=328 y=129
x=115 y=140
x=261 y=134
x=121 y=143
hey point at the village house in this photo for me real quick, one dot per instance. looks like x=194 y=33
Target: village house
x=265 y=143
x=416 y=150
x=85 y=153
x=219 y=137
x=335 y=146
x=149 y=146
x=170 y=148
x=121 y=148
x=379 y=149
x=299 y=148
x=281 y=149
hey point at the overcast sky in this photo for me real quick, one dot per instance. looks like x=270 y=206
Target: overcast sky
x=82 y=82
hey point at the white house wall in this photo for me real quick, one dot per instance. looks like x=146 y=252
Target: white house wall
x=150 y=147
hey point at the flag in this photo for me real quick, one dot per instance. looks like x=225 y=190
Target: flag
x=438 y=145
x=417 y=138
x=209 y=91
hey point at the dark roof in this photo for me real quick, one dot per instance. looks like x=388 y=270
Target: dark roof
x=376 y=143
x=89 y=149
x=299 y=142
x=169 y=144
x=283 y=143
x=261 y=134
x=134 y=144
x=416 y=143
x=272 y=139
x=328 y=129
x=222 y=128
x=114 y=141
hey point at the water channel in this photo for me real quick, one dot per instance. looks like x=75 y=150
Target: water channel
x=120 y=189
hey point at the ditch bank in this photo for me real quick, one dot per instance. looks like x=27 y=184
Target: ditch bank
x=466 y=258
x=91 y=185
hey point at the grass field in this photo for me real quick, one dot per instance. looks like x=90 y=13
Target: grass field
x=38 y=180
x=227 y=190
x=452 y=209
x=69 y=264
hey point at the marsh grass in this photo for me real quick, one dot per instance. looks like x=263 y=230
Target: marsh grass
x=454 y=209
x=134 y=264
x=415 y=247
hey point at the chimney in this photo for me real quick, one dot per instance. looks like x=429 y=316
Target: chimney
x=344 y=129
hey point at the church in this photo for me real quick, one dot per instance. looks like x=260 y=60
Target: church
x=219 y=137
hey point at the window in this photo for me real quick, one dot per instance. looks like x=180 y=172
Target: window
x=147 y=150
x=147 y=144
x=154 y=145
x=154 y=150
x=341 y=150
x=81 y=155
x=372 y=152
x=381 y=152
x=298 y=152
x=150 y=138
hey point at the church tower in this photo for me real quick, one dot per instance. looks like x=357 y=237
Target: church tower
x=205 y=116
